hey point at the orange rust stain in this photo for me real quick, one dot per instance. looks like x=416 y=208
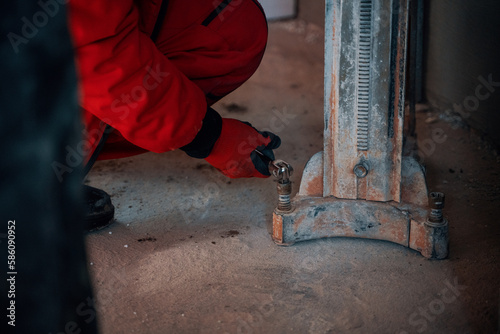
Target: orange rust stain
x=333 y=97
x=391 y=229
x=419 y=237
x=362 y=188
x=395 y=186
x=277 y=228
x=398 y=234
x=315 y=187
x=374 y=194
x=321 y=225
x=336 y=228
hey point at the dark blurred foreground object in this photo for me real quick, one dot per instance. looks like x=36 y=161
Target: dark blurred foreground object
x=40 y=189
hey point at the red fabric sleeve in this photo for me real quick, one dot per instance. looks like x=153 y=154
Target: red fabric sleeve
x=127 y=82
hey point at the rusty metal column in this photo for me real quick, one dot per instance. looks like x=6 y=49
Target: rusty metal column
x=364 y=98
x=361 y=185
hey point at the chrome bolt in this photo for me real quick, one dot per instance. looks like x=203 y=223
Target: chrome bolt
x=361 y=170
x=282 y=171
x=436 y=203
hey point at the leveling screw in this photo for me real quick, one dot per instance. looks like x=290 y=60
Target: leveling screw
x=436 y=203
x=284 y=192
x=282 y=171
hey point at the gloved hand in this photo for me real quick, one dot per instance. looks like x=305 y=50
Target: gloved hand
x=233 y=153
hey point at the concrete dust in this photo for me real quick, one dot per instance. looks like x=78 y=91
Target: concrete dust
x=199 y=255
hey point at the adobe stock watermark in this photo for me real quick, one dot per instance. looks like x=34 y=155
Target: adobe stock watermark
x=280 y=120
x=483 y=91
x=201 y=200
x=31 y=26
x=421 y=319
x=120 y=110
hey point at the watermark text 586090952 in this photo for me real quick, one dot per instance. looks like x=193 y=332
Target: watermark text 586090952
x=11 y=272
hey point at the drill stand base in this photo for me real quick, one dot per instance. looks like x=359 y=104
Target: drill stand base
x=404 y=223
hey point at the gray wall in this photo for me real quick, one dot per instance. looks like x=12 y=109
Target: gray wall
x=279 y=9
x=463 y=39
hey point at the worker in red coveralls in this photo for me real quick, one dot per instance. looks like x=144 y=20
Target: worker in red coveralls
x=149 y=71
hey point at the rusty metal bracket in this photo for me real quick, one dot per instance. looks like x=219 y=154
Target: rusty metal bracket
x=361 y=185
x=409 y=223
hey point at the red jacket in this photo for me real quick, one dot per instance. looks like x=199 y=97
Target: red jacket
x=126 y=82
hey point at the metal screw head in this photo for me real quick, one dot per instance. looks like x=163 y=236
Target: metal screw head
x=436 y=200
x=282 y=170
x=361 y=170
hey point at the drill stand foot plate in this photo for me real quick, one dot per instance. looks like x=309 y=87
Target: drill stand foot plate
x=406 y=223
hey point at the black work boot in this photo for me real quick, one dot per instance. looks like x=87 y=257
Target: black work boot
x=99 y=209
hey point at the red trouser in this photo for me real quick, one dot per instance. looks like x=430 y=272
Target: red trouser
x=218 y=45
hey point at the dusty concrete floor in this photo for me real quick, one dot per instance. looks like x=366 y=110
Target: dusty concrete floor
x=191 y=251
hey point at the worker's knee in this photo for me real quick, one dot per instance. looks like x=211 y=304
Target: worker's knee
x=243 y=25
